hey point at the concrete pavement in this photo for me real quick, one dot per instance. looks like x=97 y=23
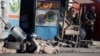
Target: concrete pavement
x=93 y=49
x=79 y=50
x=59 y=54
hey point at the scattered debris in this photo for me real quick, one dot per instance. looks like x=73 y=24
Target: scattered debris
x=5 y=50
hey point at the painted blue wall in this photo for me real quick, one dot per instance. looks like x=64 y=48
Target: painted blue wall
x=14 y=22
x=46 y=32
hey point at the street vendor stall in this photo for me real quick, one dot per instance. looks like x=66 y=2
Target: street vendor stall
x=71 y=24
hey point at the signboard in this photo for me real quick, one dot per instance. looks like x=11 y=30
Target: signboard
x=47 y=17
x=48 y=5
x=47 y=13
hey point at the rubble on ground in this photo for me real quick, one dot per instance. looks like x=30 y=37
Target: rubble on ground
x=5 y=50
x=45 y=46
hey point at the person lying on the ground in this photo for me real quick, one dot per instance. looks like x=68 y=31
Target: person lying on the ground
x=44 y=47
x=35 y=45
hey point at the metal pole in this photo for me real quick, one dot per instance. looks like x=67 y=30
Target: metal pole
x=2 y=7
x=3 y=12
x=64 y=18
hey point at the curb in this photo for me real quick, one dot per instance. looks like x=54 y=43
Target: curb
x=79 y=50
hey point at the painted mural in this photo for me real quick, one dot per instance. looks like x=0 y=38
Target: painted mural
x=47 y=13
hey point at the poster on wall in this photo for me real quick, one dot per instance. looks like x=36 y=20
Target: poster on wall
x=14 y=9
x=47 y=13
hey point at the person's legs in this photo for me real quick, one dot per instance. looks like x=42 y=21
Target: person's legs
x=92 y=28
